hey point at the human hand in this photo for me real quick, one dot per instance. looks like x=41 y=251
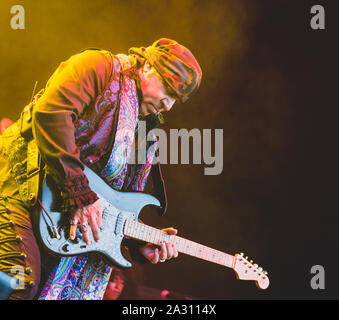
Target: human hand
x=90 y=215
x=167 y=250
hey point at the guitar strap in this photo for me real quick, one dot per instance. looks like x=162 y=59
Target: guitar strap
x=26 y=162
x=159 y=188
x=159 y=185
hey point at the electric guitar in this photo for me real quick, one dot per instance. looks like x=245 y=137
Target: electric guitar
x=120 y=211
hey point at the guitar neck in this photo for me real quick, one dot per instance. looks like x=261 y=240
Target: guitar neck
x=140 y=231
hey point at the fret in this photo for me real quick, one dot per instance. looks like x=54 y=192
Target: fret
x=148 y=233
x=137 y=230
x=157 y=236
x=160 y=237
x=219 y=258
x=179 y=244
x=190 y=248
x=134 y=232
x=208 y=254
x=153 y=235
x=203 y=252
x=129 y=228
x=196 y=246
x=196 y=249
x=212 y=255
x=200 y=251
x=184 y=246
x=125 y=227
x=141 y=236
x=151 y=238
x=187 y=246
x=142 y=232
x=215 y=256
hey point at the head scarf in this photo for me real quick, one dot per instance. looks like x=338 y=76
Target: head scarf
x=175 y=64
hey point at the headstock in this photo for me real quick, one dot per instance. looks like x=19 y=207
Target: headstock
x=246 y=270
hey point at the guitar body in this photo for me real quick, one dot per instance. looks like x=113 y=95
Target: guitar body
x=116 y=208
x=120 y=211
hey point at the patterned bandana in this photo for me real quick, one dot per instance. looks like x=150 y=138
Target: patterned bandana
x=176 y=65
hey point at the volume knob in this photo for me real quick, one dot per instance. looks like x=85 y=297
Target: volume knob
x=65 y=248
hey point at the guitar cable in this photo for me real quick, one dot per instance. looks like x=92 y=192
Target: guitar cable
x=54 y=228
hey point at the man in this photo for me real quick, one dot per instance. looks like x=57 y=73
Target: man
x=87 y=114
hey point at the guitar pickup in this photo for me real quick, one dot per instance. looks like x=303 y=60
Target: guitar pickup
x=119 y=225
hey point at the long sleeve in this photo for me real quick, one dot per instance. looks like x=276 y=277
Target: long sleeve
x=72 y=88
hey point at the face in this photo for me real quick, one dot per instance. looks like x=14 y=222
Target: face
x=155 y=96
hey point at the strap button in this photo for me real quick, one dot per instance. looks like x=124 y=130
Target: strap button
x=31 y=197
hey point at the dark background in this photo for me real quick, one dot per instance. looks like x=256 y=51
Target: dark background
x=269 y=81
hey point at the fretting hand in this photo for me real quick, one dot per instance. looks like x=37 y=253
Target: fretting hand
x=167 y=250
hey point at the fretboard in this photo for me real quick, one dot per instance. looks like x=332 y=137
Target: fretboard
x=146 y=233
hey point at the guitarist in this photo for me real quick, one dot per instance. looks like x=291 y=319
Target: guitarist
x=87 y=114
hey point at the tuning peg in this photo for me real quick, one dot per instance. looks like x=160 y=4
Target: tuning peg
x=265 y=273
x=260 y=269
x=246 y=257
x=242 y=254
x=251 y=261
x=255 y=265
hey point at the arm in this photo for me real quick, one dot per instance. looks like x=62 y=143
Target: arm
x=72 y=88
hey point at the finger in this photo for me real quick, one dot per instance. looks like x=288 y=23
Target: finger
x=175 y=251
x=170 y=231
x=73 y=231
x=85 y=231
x=74 y=226
x=94 y=227
x=170 y=251
x=99 y=217
x=155 y=258
x=163 y=251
